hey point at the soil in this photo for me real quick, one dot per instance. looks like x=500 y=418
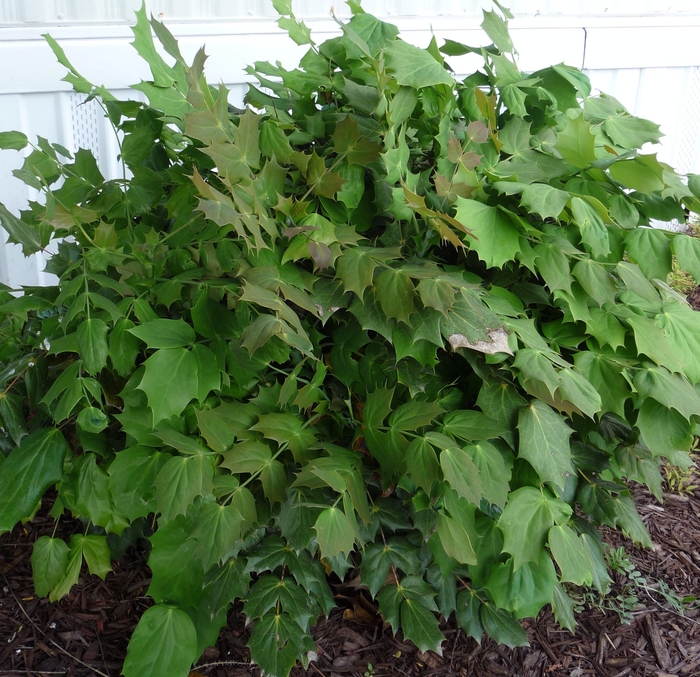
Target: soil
x=87 y=632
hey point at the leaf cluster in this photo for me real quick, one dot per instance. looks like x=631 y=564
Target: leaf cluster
x=380 y=321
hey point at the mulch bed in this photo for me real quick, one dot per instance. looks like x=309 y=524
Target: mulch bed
x=86 y=633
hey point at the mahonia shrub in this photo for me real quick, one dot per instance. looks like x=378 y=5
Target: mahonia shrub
x=382 y=323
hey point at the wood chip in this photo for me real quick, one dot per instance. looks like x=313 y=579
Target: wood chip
x=658 y=644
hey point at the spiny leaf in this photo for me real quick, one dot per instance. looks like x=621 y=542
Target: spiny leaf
x=421 y=627
x=414 y=67
x=576 y=142
x=497 y=29
x=169 y=365
x=497 y=239
x=526 y=521
x=571 y=556
x=180 y=481
x=544 y=442
x=461 y=473
x=334 y=533
x=143 y=43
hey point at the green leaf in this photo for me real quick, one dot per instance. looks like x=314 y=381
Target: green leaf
x=681 y=327
x=162 y=333
x=501 y=626
x=180 y=481
x=455 y=540
x=97 y=555
x=628 y=519
x=663 y=430
x=347 y=140
x=123 y=347
x=650 y=249
x=92 y=343
x=49 y=563
x=553 y=264
x=605 y=328
x=276 y=643
x=500 y=402
x=577 y=390
x=177 y=574
x=687 y=250
x=166 y=99
x=492 y=471
x=642 y=173
x=273 y=478
x=671 y=390
x=13 y=141
x=208 y=372
x=595 y=280
x=542 y=199
x=92 y=420
x=377 y=406
x=334 y=533
x=91 y=483
x=420 y=626
x=29 y=470
x=636 y=282
x=594 y=234
x=472 y=425
x=283 y=7
x=166 y=38
x=356 y=270
x=286 y=428
x=571 y=555
x=247 y=138
x=131 y=480
x=274 y=142
x=165 y=366
x=378 y=559
x=217 y=528
x=270 y=590
x=498 y=239
x=461 y=474
x=576 y=142
x=214 y=429
x=72 y=575
x=163 y=643
x=628 y=131
x=247 y=457
x=544 y=442
x=143 y=44
x=526 y=590
x=297 y=30
x=467 y=614
x=497 y=29
x=422 y=463
x=437 y=294
x=414 y=414
x=20 y=232
x=655 y=342
x=526 y=520
x=414 y=67
x=563 y=608
x=12 y=415
x=396 y=294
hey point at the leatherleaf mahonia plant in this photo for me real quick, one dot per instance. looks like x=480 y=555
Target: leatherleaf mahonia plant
x=381 y=323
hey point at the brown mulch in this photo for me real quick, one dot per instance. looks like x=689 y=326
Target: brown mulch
x=86 y=633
